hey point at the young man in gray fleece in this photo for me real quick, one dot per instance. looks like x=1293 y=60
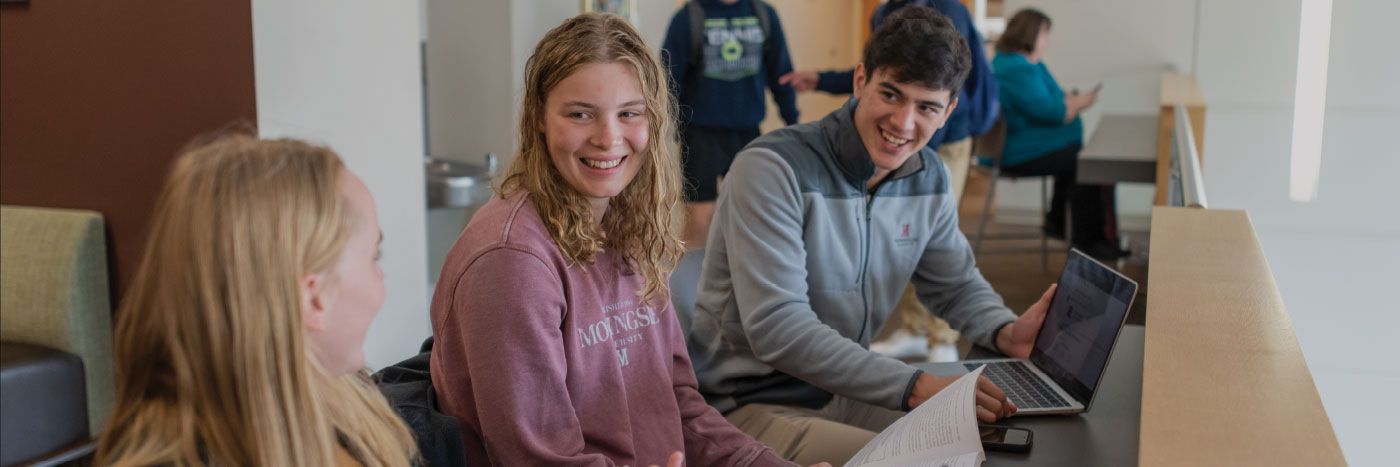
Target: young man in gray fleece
x=817 y=230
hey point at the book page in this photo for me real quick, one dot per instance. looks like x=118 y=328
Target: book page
x=941 y=432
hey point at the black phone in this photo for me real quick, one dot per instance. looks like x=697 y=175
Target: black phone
x=1005 y=438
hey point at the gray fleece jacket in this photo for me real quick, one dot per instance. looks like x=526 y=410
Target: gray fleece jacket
x=803 y=267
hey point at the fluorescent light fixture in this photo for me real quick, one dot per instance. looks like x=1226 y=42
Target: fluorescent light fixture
x=1310 y=99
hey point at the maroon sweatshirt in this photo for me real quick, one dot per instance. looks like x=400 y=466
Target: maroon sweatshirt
x=548 y=364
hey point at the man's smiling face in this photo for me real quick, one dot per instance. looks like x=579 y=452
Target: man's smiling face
x=896 y=119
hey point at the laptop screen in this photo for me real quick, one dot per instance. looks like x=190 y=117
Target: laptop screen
x=1085 y=316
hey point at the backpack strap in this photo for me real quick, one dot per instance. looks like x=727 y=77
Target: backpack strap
x=697 y=36
x=760 y=10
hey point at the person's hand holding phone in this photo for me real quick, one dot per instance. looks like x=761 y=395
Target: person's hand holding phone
x=1087 y=100
x=1094 y=94
x=1077 y=102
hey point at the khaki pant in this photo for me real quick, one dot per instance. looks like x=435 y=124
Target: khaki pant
x=957 y=155
x=834 y=433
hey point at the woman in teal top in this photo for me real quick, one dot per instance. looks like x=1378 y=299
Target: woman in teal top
x=1044 y=134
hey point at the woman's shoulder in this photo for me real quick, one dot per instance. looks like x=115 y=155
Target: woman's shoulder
x=1005 y=62
x=509 y=220
x=507 y=224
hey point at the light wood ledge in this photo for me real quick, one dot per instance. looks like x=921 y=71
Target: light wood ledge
x=1224 y=381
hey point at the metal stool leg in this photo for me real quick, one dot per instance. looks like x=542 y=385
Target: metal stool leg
x=986 y=208
x=1044 y=236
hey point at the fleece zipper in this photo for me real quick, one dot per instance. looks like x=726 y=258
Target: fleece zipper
x=864 y=265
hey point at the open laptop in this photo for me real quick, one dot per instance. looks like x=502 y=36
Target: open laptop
x=1071 y=352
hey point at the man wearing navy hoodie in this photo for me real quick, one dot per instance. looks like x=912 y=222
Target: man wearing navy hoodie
x=722 y=54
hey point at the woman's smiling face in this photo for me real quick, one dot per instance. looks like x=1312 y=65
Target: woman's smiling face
x=596 y=130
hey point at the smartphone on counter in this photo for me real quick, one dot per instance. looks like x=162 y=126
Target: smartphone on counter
x=1005 y=438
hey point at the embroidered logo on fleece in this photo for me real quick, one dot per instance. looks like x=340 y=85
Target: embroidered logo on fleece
x=905 y=232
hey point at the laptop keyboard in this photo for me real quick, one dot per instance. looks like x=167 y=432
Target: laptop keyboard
x=1021 y=385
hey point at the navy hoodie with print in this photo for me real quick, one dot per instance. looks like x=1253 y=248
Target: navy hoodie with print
x=727 y=92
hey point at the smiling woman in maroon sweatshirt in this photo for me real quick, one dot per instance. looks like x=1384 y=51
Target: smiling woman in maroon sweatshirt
x=556 y=342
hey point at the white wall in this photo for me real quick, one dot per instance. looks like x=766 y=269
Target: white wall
x=470 y=79
x=346 y=73
x=476 y=67
x=1333 y=259
x=1248 y=78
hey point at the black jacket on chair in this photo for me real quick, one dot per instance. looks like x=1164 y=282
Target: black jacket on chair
x=409 y=388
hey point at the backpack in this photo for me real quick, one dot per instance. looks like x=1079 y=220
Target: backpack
x=697 y=34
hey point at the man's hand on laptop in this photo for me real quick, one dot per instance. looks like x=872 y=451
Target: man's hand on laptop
x=992 y=403
x=1015 y=339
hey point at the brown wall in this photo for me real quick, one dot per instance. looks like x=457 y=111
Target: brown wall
x=96 y=97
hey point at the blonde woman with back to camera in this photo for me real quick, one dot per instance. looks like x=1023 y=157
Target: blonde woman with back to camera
x=239 y=342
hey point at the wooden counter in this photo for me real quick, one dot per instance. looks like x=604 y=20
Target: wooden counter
x=1224 y=381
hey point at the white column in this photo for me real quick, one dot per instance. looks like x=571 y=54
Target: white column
x=346 y=74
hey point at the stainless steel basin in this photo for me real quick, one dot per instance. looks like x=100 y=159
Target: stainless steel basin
x=458 y=184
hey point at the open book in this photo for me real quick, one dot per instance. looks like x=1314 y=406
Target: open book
x=941 y=432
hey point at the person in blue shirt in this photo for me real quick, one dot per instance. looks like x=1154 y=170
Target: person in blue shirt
x=722 y=54
x=1044 y=135
x=977 y=106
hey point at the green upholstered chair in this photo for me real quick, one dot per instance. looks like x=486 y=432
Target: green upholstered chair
x=54 y=298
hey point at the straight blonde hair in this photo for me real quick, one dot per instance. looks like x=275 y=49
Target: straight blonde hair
x=638 y=221
x=212 y=364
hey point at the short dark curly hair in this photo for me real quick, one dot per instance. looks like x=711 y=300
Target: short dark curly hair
x=919 y=45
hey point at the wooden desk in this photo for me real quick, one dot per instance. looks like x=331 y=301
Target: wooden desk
x=1122 y=149
x=1224 y=381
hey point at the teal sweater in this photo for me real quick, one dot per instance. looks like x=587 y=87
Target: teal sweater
x=1034 y=108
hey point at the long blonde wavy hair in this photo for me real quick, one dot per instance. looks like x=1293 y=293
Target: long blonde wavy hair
x=212 y=364
x=638 y=221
